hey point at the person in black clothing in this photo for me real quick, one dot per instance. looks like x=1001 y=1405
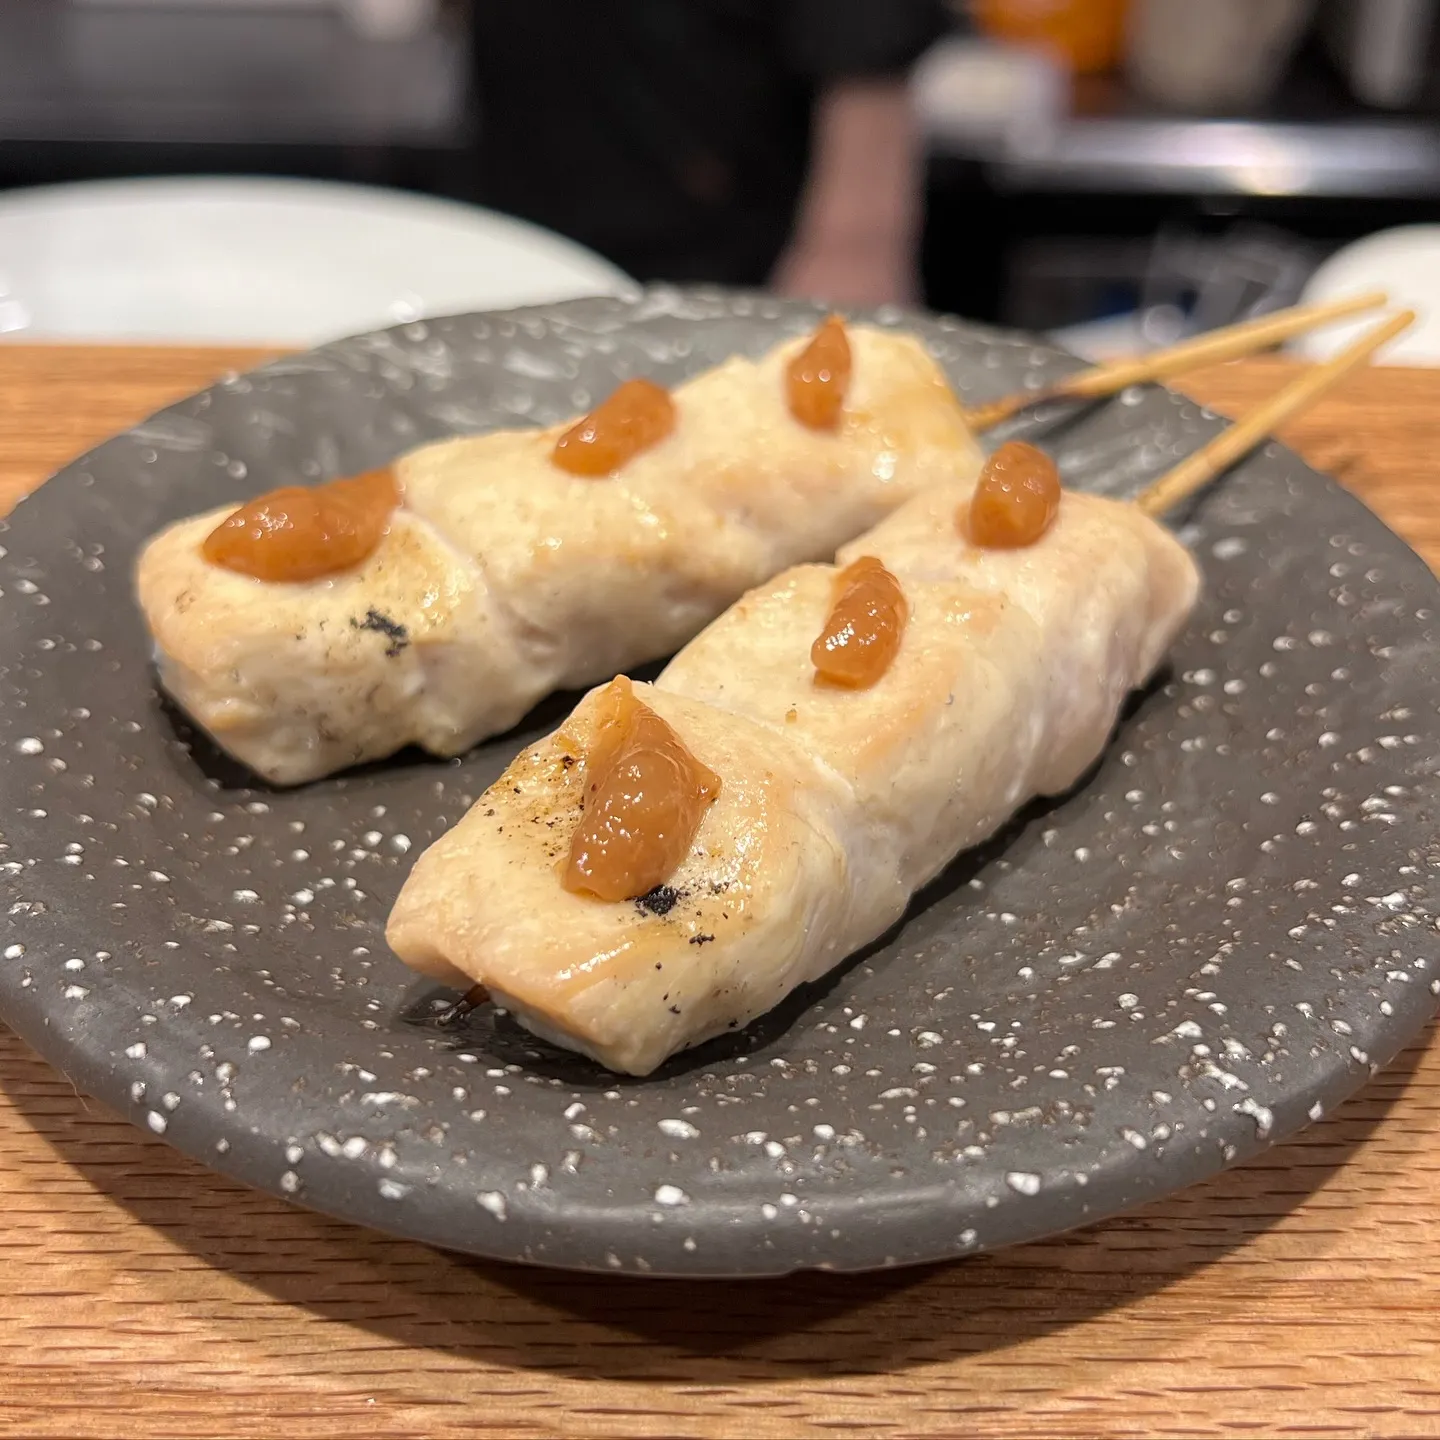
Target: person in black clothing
x=738 y=141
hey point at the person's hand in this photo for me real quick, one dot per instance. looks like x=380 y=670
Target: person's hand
x=878 y=271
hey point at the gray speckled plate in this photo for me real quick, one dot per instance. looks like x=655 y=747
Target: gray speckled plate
x=1220 y=935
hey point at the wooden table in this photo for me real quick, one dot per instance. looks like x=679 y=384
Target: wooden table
x=142 y=1295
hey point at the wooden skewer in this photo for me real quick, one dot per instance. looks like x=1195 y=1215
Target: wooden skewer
x=1209 y=349
x=1242 y=437
x=472 y=999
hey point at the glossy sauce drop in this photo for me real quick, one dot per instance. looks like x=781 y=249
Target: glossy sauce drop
x=819 y=376
x=638 y=415
x=303 y=532
x=863 y=631
x=1015 y=502
x=645 y=795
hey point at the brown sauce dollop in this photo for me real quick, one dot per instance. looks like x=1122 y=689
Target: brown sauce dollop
x=863 y=631
x=305 y=532
x=645 y=795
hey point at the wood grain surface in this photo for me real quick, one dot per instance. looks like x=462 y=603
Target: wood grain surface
x=1296 y=1296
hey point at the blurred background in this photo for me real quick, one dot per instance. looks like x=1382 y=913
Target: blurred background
x=1115 y=172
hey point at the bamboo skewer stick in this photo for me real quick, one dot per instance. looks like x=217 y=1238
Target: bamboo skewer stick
x=1236 y=442
x=1209 y=349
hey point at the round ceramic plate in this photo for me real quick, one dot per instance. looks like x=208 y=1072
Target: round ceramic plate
x=1214 y=939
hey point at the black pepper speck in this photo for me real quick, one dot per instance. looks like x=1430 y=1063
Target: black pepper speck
x=382 y=624
x=661 y=900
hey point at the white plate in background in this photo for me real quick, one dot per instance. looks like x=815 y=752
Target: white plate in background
x=1406 y=263
x=271 y=261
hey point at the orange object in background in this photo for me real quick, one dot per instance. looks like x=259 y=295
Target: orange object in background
x=1088 y=35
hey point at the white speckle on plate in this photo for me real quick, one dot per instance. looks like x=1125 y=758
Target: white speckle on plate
x=1023 y=1182
x=258 y=1043
x=678 y=1129
x=1263 y=1117
x=670 y=1195
x=494 y=1202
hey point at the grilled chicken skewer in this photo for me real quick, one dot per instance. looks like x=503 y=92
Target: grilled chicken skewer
x=678 y=857
x=436 y=602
